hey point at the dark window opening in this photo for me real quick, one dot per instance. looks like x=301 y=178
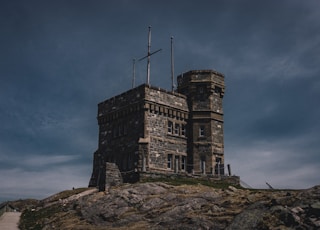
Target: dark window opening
x=120 y=130
x=115 y=131
x=183 y=130
x=217 y=89
x=176 y=129
x=169 y=161
x=201 y=131
x=170 y=125
x=183 y=163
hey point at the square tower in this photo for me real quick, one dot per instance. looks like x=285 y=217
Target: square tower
x=142 y=131
x=204 y=90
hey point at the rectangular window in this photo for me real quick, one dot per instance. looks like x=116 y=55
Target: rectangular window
x=201 y=131
x=203 y=166
x=169 y=161
x=170 y=126
x=183 y=163
x=217 y=89
x=183 y=130
x=176 y=164
x=120 y=130
x=125 y=131
x=201 y=93
x=201 y=89
x=219 y=167
x=115 y=131
x=176 y=129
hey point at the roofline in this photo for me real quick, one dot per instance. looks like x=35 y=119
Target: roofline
x=144 y=86
x=206 y=71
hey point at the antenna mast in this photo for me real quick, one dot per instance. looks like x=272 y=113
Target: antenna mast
x=172 y=65
x=148 y=55
x=149 y=48
x=134 y=73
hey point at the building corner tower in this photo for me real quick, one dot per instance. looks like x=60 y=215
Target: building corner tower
x=204 y=90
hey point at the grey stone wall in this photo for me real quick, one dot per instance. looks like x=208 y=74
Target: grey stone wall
x=163 y=143
x=121 y=125
x=148 y=129
x=165 y=98
x=117 y=105
x=217 y=137
x=205 y=90
x=164 y=108
x=113 y=175
x=133 y=130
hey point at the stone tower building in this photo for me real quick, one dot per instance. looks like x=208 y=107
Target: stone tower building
x=204 y=91
x=148 y=130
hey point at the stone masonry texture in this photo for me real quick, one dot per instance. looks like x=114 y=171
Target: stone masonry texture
x=151 y=130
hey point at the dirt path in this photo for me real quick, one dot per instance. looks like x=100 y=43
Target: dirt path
x=10 y=220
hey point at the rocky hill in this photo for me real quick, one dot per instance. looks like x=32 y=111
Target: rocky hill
x=159 y=205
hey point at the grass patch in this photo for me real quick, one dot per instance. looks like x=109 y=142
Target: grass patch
x=35 y=220
x=65 y=194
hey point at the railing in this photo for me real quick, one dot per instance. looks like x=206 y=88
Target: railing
x=6 y=208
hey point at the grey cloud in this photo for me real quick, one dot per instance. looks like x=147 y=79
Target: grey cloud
x=59 y=59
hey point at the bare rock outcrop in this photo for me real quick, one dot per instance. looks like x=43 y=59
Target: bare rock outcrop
x=162 y=206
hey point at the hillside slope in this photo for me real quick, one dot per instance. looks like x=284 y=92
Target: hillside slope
x=157 y=205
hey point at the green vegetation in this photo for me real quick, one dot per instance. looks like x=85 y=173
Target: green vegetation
x=66 y=194
x=35 y=219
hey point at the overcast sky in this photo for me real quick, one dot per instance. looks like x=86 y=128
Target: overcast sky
x=59 y=59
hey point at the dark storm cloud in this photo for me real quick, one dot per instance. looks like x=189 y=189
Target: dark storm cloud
x=60 y=58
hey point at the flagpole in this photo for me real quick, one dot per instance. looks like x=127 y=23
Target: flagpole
x=149 y=47
x=172 y=65
x=134 y=73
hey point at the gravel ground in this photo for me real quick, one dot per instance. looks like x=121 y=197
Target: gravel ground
x=10 y=220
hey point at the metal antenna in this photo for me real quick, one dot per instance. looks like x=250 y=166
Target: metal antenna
x=270 y=187
x=149 y=48
x=148 y=55
x=134 y=73
x=172 y=65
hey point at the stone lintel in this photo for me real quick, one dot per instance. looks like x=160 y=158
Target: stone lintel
x=207 y=115
x=144 y=140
